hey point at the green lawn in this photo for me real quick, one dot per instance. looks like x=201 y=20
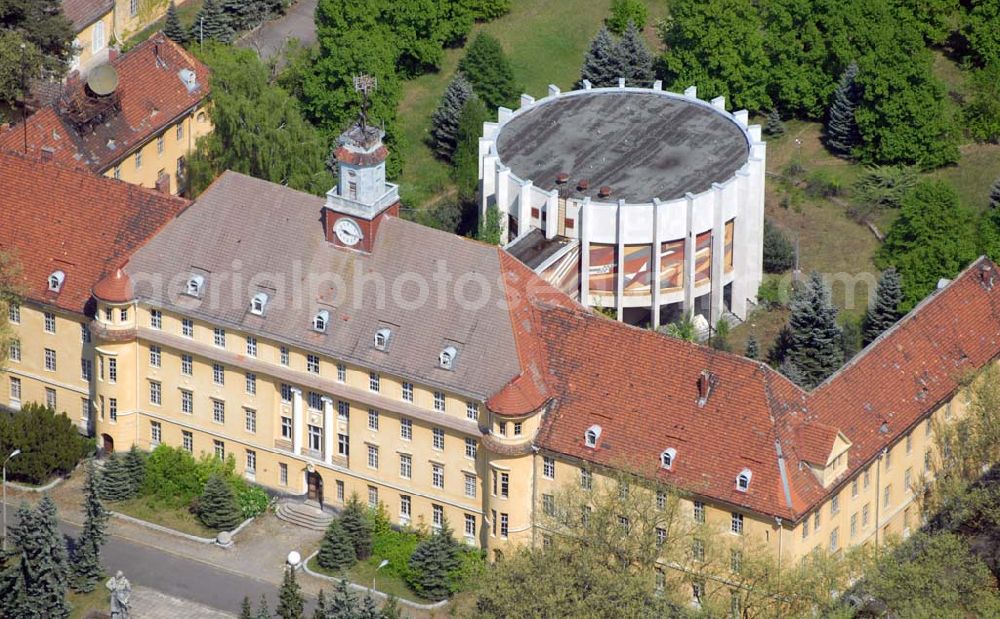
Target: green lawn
x=178 y=519
x=545 y=40
x=362 y=573
x=83 y=603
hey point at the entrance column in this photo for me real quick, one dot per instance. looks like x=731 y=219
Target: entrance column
x=297 y=421
x=328 y=430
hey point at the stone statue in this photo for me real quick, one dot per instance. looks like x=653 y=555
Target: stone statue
x=121 y=590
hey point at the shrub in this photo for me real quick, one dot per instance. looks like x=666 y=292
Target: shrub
x=770 y=294
x=880 y=188
x=49 y=442
x=393 y=545
x=821 y=184
x=625 y=11
x=779 y=256
x=336 y=552
x=471 y=569
x=172 y=477
x=252 y=499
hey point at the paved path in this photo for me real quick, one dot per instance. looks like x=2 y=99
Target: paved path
x=297 y=23
x=150 y=604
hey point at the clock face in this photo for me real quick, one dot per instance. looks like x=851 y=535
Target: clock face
x=348 y=231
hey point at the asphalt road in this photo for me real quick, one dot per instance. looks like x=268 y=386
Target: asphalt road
x=296 y=23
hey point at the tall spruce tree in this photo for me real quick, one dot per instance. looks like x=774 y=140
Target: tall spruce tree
x=444 y=122
x=87 y=556
x=601 y=66
x=211 y=23
x=774 y=126
x=634 y=58
x=135 y=464
x=290 y=602
x=842 y=133
x=18 y=579
x=431 y=562
x=390 y=609
x=884 y=310
x=34 y=586
x=355 y=521
x=263 y=611
x=488 y=69
x=815 y=348
x=321 y=611
x=218 y=508
x=172 y=26
x=995 y=194
x=116 y=484
x=792 y=372
x=246 y=610
x=336 y=552
x=752 y=349
x=368 y=610
x=342 y=603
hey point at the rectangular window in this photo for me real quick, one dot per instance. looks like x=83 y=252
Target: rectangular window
x=218 y=411
x=438 y=440
x=85 y=409
x=343 y=410
x=315 y=436
x=14 y=353
x=84 y=333
x=502 y=428
x=219 y=338
x=372 y=419
x=341 y=373
x=187 y=364
x=548 y=505
x=187 y=327
x=437 y=475
x=699 y=512
x=407 y=392
x=372 y=457
x=86 y=368
x=108 y=314
x=504 y=524
x=343 y=445
x=14 y=313
x=471 y=448
x=437 y=516
x=805 y=528
x=586 y=479
x=406 y=429
x=283 y=355
x=816 y=521
x=155 y=433
x=250 y=420
x=927 y=460
x=15 y=389
x=866 y=479
x=187 y=401
x=251 y=346
x=155 y=393
x=405 y=507
x=406 y=466
x=138 y=153
x=113 y=409
x=505 y=485
x=835 y=504
x=155 y=356
x=439 y=401
x=220 y=449
x=854 y=487
x=50 y=322
x=340 y=490
x=472 y=411
x=698 y=550
x=286 y=392
x=834 y=539
x=470 y=525
x=133 y=8
x=888 y=459
x=736 y=523
x=50 y=360
x=907 y=479
x=282 y=473
x=865 y=512
x=218 y=374
x=118 y=172
x=159 y=145
x=661 y=537
x=315 y=401
x=312 y=363
x=372 y=497
x=517 y=428
x=286 y=428
x=187 y=441
x=548 y=467
x=909 y=443
x=886 y=495
x=180 y=131
x=373 y=382
x=735 y=561
x=854 y=524
x=661 y=500
x=470 y=485
x=251 y=461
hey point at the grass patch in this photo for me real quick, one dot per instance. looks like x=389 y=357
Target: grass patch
x=976 y=171
x=179 y=519
x=83 y=603
x=362 y=573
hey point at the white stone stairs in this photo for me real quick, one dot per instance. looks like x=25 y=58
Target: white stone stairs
x=306 y=514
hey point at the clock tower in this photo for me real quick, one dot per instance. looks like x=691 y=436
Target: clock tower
x=355 y=207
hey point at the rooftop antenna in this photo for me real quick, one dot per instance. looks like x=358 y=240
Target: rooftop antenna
x=365 y=84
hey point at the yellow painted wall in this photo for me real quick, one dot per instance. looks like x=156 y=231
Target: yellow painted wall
x=132 y=16
x=85 y=42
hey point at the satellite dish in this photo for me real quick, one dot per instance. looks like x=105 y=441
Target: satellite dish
x=103 y=80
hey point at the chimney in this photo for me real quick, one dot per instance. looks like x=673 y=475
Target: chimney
x=47 y=153
x=604 y=191
x=163 y=183
x=583 y=185
x=706 y=384
x=986 y=277
x=562 y=178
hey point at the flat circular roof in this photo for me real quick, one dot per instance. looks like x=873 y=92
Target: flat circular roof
x=642 y=145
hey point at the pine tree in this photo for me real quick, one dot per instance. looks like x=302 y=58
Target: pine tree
x=390 y=609
x=779 y=255
x=336 y=552
x=753 y=348
x=884 y=310
x=995 y=194
x=135 y=464
x=290 y=602
x=774 y=126
x=87 y=556
x=842 y=133
x=116 y=484
x=263 y=612
x=601 y=65
x=815 y=348
x=634 y=58
x=35 y=586
x=444 y=123
x=368 y=610
x=791 y=372
x=342 y=603
x=431 y=562
x=18 y=579
x=173 y=28
x=489 y=71
x=246 y=611
x=358 y=527
x=211 y=23
x=218 y=508
x=321 y=611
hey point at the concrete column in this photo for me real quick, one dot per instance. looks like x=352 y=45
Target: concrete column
x=742 y=245
x=553 y=90
x=691 y=91
x=526 y=100
x=552 y=214
x=655 y=255
x=584 y=220
x=718 y=254
x=719 y=103
x=503 y=200
x=504 y=114
x=620 y=259
x=524 y=208
x=328 y=430
x=689 y=247
x=297 y=422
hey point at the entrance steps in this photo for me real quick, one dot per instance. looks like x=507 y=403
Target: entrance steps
x=307 y=514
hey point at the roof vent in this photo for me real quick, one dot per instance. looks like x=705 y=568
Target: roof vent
x=562 y=178
x=943 y=283
x=706 y=384
x=604 y=191
x=583 y=185
x=189 y=78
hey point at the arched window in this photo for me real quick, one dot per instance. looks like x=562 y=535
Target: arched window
x=667 y=457
x=447 y=357
x=56 y=281
x=320 y=320
x=257 y=303
x=743 y=480
x=195 y=283
x=382 y=338
x=591 y=436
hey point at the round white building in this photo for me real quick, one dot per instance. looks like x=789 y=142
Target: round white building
x=639 y=200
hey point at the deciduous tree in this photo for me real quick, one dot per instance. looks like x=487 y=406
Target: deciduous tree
x=624 y=12
x=47 y=34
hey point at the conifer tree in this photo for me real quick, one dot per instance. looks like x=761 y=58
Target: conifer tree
x=18 y=579
x=218 y=508
x=753 y=348
x=336 y=552
x=791 y=372
x=358 y=527
x=995 y=194
x=341 y=605
x=246 y=611
x=368 y=610
x=173 y=28
x=842 y=133
x=634 y=58
x=390 y=609
x=884 y=310
x=815 y=349
x=35 y=585
x=87 y=556
x=263 y=611
x=431 y=562
x=601 y=65
x=321 y=611
x=774 y=126
x=211 y=23
x=290 y=602
x=489 y=71
x=444 y=122
x=135 y=464
x=116 y=484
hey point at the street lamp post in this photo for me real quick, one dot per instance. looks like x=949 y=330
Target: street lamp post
x=12 y=454
x=384 y=563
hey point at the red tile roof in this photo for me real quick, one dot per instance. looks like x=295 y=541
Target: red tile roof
x=82 y=13
x=114 y=288
x=152 y=97
x=59 y=219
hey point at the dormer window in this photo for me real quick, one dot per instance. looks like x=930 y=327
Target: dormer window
x=667 y=458
x=321 y=320
x=743 y=480
x=447 y=357
x=56 y=281
x=591 y=435
x=382 y=339
x=195 y=284
x=257 y=304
